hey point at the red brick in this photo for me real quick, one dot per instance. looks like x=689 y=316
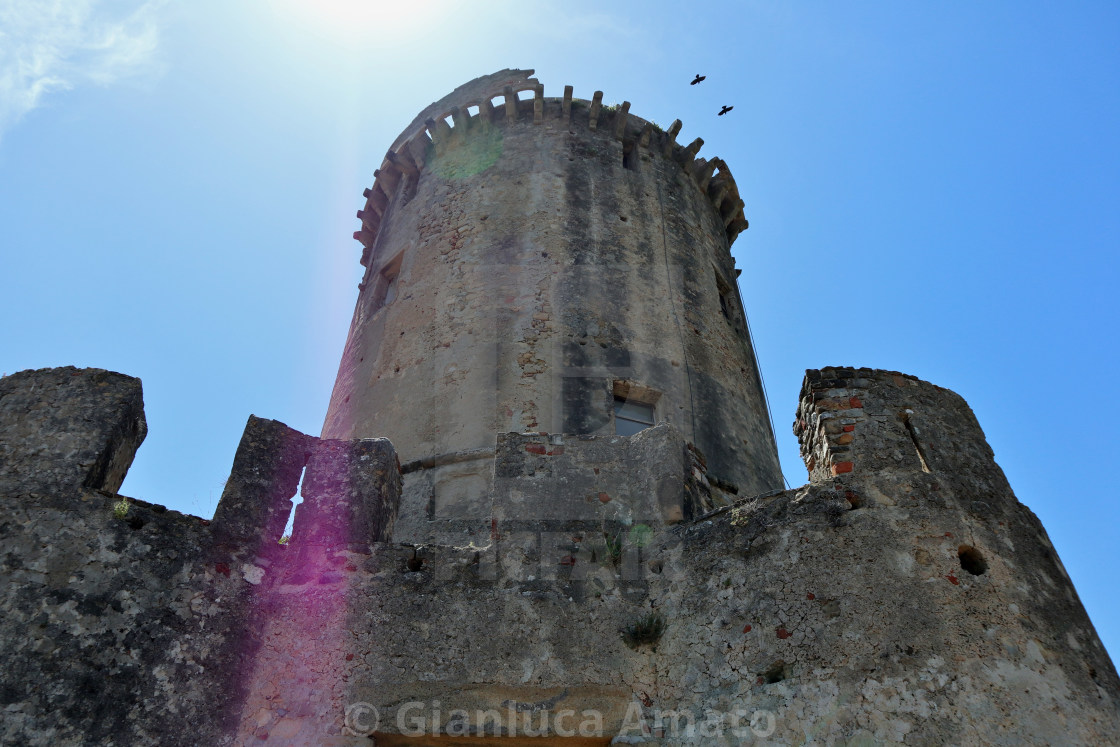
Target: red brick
x=841 y=467
x=536 y=449
x=783 y=633
x=849 y=428
x=604 y=498
x=854 y=402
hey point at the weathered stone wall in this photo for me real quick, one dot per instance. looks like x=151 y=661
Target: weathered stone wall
x=124 y=623
x=530 y=263
x=606 y=482
x=908 y=598
x=905 y=600
x=108 y=607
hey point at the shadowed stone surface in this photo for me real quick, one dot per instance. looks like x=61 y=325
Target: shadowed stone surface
x=908 y=600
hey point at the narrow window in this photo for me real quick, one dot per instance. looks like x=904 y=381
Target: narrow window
x=725 y=305
x=390 y=290
x=631 y=416
x=408 y=189
x=386 y=291
x=629 y=156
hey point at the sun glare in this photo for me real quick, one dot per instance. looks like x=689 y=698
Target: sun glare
x=375 y=21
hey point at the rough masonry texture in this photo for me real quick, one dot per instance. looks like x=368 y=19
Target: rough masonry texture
x=527 y=262
x=524 y=573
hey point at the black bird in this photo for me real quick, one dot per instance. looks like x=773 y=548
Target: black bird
x=697 y=79
x=724 y=110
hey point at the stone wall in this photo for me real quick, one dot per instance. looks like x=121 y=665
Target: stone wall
x=905 y=599
x=608 y=483
x=125 y=623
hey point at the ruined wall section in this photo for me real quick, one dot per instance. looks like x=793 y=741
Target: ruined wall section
x=906 y=600
x=530 y=263
x=124 y=622
x=881 y=605
x=109 y=604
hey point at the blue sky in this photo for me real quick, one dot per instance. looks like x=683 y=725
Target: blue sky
x=932 y=188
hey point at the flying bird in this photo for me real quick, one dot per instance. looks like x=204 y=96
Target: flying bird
x=697 y=79
x=724 y=110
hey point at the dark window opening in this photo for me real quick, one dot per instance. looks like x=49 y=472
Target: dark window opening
x=723 y=288
x=408 y=189
x=631 y=417
x=629 y=156
x=727 y=306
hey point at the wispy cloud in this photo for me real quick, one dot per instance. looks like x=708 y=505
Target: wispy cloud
x=48 y=46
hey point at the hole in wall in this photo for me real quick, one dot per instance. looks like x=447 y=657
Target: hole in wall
x=414 y=564
x=971 y=560
x=450 y=121
x=498 y=102
x=472 y=110
x=526 y=95
x=655 y=566
x=776 y=672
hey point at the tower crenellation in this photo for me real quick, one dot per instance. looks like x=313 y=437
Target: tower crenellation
x=449 y=119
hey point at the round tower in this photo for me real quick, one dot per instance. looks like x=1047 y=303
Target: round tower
x=549 y=265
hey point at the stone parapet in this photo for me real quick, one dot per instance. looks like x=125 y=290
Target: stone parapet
x=67 y=429
x=861 y=420
x=617 y=599
x=450 y=120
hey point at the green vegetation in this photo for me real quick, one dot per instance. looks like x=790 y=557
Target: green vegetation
x=644 y=631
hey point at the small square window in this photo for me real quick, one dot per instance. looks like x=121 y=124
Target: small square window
x=631 y=416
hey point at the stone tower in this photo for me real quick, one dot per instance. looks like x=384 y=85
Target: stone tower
x=546 y=265
x=542 y=511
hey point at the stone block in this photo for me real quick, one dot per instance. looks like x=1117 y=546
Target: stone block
x=351 y=491
x=257 y=499
x=67 y=429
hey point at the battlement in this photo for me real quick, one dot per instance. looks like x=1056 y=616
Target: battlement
x=611 y=576
x=494 y=101
x=68 y=429
x=859 y=419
